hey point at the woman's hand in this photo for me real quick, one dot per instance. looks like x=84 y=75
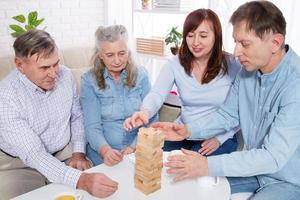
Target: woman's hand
x=209 y=146
x=110 y=156
x=127 y=150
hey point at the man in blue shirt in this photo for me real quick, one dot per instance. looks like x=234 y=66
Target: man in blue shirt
x=264 y=101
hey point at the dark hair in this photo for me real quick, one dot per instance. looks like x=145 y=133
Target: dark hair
x=112 y=34
x=34 y=42
x=261 y=17
x=217 y=57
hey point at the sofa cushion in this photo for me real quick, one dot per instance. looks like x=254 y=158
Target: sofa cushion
x=76 y=57
x=6 y=65
x=77 y=72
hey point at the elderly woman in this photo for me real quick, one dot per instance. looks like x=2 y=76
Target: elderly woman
x=110 y=92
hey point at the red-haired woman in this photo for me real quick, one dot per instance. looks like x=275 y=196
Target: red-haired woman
x=203 y=74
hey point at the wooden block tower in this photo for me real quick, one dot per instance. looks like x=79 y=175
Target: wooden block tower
x=148 y=160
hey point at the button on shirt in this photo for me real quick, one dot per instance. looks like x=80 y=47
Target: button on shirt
x=34 y=124
x=105 y=110
x=267 y=108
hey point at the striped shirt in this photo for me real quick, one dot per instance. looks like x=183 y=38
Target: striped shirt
x=35 y=124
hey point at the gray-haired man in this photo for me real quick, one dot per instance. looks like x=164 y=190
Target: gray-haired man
x=40 y=115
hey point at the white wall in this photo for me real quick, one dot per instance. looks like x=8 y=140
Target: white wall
x=70 y=22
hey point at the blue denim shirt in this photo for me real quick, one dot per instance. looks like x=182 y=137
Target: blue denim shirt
x=105 y=110
x=267 y=108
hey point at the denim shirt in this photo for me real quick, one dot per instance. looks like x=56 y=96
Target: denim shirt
x=105 y=110
x=267 y=107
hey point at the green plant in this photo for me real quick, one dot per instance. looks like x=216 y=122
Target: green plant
x=174 y=37
x=30 y=23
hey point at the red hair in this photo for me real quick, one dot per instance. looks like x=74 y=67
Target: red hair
x=217 y=57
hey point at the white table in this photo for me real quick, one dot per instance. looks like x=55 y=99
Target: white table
x=123 y=173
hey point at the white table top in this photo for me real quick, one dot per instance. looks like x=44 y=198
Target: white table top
x=123 y=173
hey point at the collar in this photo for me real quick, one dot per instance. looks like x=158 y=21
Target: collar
x=282 y=64
x=31 y=86
x=106 y=74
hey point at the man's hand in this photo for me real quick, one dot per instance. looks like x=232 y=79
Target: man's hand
x=209 y=146
x=97 y=184
x=127 y=150
x=191 y=164
x=137 y=119
x=78 y=161
x=172 y=131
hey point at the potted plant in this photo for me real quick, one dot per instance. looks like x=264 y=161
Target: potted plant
x=174 y=38
x=32 y=23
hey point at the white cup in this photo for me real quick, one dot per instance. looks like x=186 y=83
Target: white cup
x=68 y=196
x=208 y=181
x=176 y=152
x=130 y=158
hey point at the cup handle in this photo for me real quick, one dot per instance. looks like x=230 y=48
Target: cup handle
x=217 y=180
x=79 y=196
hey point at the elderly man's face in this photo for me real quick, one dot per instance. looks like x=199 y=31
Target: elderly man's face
x=253 y=52
x=42 y=71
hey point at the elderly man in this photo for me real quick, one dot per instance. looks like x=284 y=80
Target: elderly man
x=40 y=115
x=264 y=101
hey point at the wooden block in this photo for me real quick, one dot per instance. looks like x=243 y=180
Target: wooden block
x=148 y=155
x=146 y=188
x=148 y=175
x=150 y=137
x=146 y=172
x=146 y=184
x=148 y=160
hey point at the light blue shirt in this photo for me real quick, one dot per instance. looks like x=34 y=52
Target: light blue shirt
x=197 y=99
x=34 y=124
x=105 y=110
x=267 y=108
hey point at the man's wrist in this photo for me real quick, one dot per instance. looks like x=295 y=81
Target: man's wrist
x=81 y=182
x=78 y=155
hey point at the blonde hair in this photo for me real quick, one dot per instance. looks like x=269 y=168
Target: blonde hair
x=112 y=34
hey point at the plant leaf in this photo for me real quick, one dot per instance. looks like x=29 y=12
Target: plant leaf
x=17 y=28
x=32 y=16
x=20 y=18
x=16 y=34
x=29 y=27
x=38 y=22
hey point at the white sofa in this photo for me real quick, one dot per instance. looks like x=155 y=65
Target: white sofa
x=76 y=58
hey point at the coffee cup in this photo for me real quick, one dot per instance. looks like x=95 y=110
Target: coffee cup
x=176 y=152
x=68 y=196
x=208 y=181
